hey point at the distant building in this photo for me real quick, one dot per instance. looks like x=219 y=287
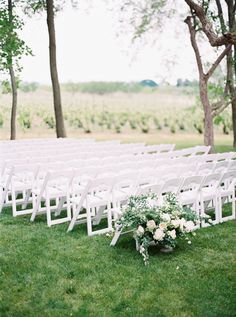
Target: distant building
x=148 y=83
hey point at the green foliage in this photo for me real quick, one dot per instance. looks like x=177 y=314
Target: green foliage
x=12 y=47
x=28 y=87
x=5 y=87
x=49 y=121
x=157 y=222
x=24 y=119
x=102 y=88
x=224 y=120
x=1 y=120
x=143 y=16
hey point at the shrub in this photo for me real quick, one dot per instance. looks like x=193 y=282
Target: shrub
x=24 y=119
x=1 y=120
x=50 y=121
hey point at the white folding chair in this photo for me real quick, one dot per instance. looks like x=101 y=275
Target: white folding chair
x=226 y=194
x=96 y=199
x=188 y=193
x=55 y=187
x=124 y=187
x=23 y=178
x=208 y=196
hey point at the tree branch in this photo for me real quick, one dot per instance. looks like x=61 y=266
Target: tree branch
x=192 y=32
x=225 y=39
x=218 y=60
x=221 y=105
x=221 y=16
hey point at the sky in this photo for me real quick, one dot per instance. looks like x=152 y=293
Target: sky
x=92 y=46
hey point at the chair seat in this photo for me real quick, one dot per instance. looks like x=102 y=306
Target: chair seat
x=98 y=200
x=208 y=193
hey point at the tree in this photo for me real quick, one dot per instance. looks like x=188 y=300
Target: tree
x=12 y=48
x=146 y=15
x=209 y=110
x=34 y=6
x=227 y=38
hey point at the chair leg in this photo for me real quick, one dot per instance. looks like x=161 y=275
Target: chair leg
x=48 y=211
x=233 y=205
x=26 y=199
x=68 y=207
x=89 y=221
x=35 y=206
x=109 y=216
x=13 y=197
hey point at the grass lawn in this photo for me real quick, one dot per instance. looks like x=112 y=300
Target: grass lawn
x=48 y=272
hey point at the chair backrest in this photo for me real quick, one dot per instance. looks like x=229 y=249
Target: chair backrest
x=172 y=185
x=101 y=184
x=25 y=172
x=212 y=180
x=167 y=147
x=126 y=182
x=221 y=167
x=233 y=155
x=202 y=149
x=191 y=183
x=147 y=189
x=224 y=156
x=145 y=178
x=205 y=168
x=228 y=179
x=60 y=178
x=165 y=173
x=232 y=165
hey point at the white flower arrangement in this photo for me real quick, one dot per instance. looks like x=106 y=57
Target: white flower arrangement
x=159 y=224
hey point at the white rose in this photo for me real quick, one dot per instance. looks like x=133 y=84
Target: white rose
x=166 y=217
x=189 y=225
x=162 y=225
x=151 y=225
x=172 y=233
x=175 y=223
x=159 y=235
x=140 y=231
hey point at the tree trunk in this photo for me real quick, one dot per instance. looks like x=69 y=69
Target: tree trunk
x=60 y=128
x=13 y=84
x=231 y=70
x=208 y=119
x=14 y=103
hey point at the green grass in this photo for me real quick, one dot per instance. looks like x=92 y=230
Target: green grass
x=48 y=272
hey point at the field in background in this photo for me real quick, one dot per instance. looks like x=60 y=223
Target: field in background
x=166 y=114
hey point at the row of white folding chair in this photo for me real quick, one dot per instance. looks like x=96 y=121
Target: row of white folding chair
x=172 y=184
x=83 y=152
x=59 y=148
x=43 y=147
x=196 y=192
x=46 y=142
x=122 y=188
x=162 y=173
